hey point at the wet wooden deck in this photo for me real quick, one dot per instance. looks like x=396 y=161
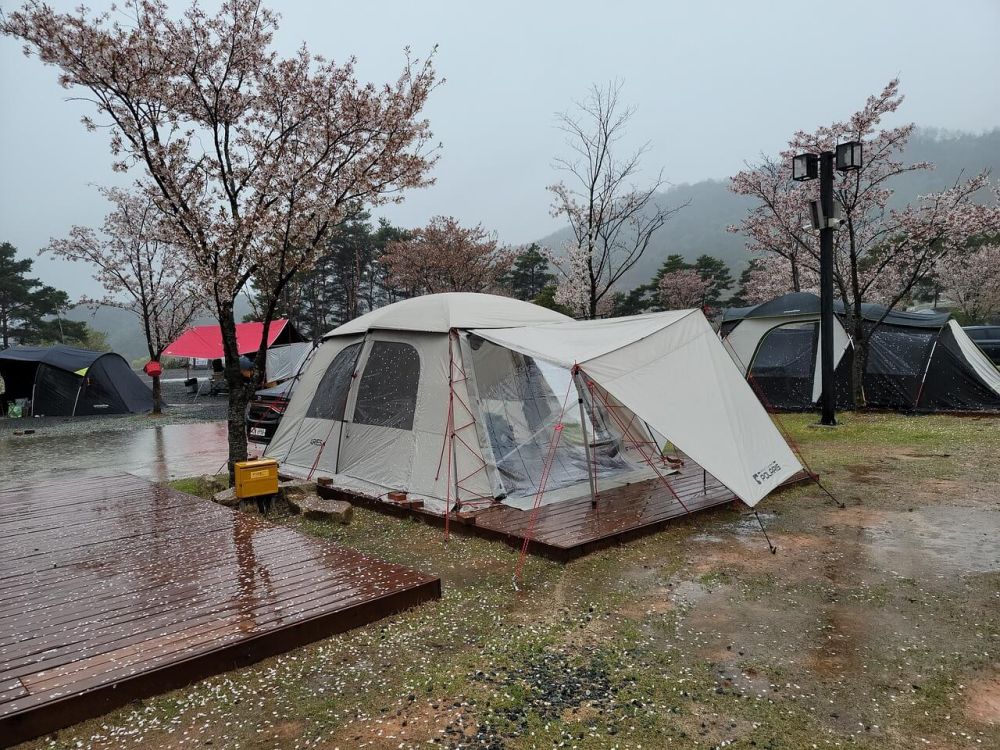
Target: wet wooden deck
x=113 y=588
x=571 y=528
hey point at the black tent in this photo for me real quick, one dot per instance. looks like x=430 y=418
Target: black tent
x=63 y=381
x=916 y=361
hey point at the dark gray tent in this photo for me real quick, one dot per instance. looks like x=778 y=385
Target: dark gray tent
x=916 y=361
x=63 y=381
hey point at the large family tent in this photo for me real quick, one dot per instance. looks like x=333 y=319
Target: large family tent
x=63 y=381
x=459 y=399
x=916 y=361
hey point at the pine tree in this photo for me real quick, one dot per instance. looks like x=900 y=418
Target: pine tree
x=25 y=301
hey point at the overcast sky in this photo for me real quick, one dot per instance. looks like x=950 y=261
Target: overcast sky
x=715 y=84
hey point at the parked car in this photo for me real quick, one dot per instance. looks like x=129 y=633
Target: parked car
x=265 y=410
x=987 y=338
x=268 y=404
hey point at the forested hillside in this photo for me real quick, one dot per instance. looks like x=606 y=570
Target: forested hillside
x=700 y=228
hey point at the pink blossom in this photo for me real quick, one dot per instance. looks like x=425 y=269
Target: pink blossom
x=683 y=289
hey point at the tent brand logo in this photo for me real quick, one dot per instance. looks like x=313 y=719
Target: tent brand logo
x=761 y=476
x=316 y=441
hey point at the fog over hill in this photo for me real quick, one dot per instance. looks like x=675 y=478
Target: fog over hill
x=700 y=227
x=123 y=330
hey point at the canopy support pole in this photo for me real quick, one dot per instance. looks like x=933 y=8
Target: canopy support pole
x=927 y=367
x=591 y=466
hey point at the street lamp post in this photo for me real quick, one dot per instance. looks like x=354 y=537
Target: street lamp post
x=805 y=167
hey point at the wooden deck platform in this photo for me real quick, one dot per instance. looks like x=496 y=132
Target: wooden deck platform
x=571 y=528
x=113 y=588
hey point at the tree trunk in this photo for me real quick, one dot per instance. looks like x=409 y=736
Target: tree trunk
x=238 y=396
x=157 y=399
x=859 y=362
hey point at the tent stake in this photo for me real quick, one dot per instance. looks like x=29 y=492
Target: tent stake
x=770 y=546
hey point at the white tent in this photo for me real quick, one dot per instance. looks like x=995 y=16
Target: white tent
x=455 y=399
x=285 y=361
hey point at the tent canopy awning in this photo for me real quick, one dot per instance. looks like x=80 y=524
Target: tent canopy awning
x=69 y=358
x=205 y=342
x=671 y=370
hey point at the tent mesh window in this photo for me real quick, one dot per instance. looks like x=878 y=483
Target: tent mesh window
x=330 y=399
x=784 y=365
x=521 y=400
x=897 y=360
x=387 y=394
x=951 y=384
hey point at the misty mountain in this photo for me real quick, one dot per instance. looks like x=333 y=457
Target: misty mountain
x=124 y=331
x=700 y=227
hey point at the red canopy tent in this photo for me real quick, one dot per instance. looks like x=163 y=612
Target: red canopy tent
x=205 y=342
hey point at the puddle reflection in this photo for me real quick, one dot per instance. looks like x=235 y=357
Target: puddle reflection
x=156 y=453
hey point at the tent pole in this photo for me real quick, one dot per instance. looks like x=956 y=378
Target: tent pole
x=586 y=441
x=451 y=407
x=927 y=367
x=77 y=399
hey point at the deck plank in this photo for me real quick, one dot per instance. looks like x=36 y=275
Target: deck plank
x=114 y=588
x=570 y=528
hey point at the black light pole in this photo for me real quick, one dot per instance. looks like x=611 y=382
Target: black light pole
x=828 y=397
x=808 y=167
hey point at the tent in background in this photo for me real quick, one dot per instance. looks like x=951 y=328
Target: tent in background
x=455 y=399
x=286 y=347
x=916 y=361
x=284 y=362
x=205 y=342
x=63 y=381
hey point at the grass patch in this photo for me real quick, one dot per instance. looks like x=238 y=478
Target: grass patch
x=200 y=486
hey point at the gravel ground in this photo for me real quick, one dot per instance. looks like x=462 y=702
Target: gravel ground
x=182 y=408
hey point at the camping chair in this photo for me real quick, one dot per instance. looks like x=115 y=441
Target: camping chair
x=215 y=385
x=218 y=384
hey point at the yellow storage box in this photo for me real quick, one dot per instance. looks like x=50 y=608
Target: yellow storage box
x=256 y=478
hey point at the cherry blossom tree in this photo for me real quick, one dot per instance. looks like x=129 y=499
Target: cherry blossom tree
x=139 y=272
x=679 y=290
x=612 y=220
x=880 y=254
x=251 y=158
x=971 y=280
x=772 y=275
x=446 y=257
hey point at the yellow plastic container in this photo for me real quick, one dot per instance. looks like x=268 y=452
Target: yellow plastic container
x=256 y=478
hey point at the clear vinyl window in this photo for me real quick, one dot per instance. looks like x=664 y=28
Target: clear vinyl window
x=330 y=399
x=387 y=394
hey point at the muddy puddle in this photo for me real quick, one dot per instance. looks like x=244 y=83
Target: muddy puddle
x=935 y=541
